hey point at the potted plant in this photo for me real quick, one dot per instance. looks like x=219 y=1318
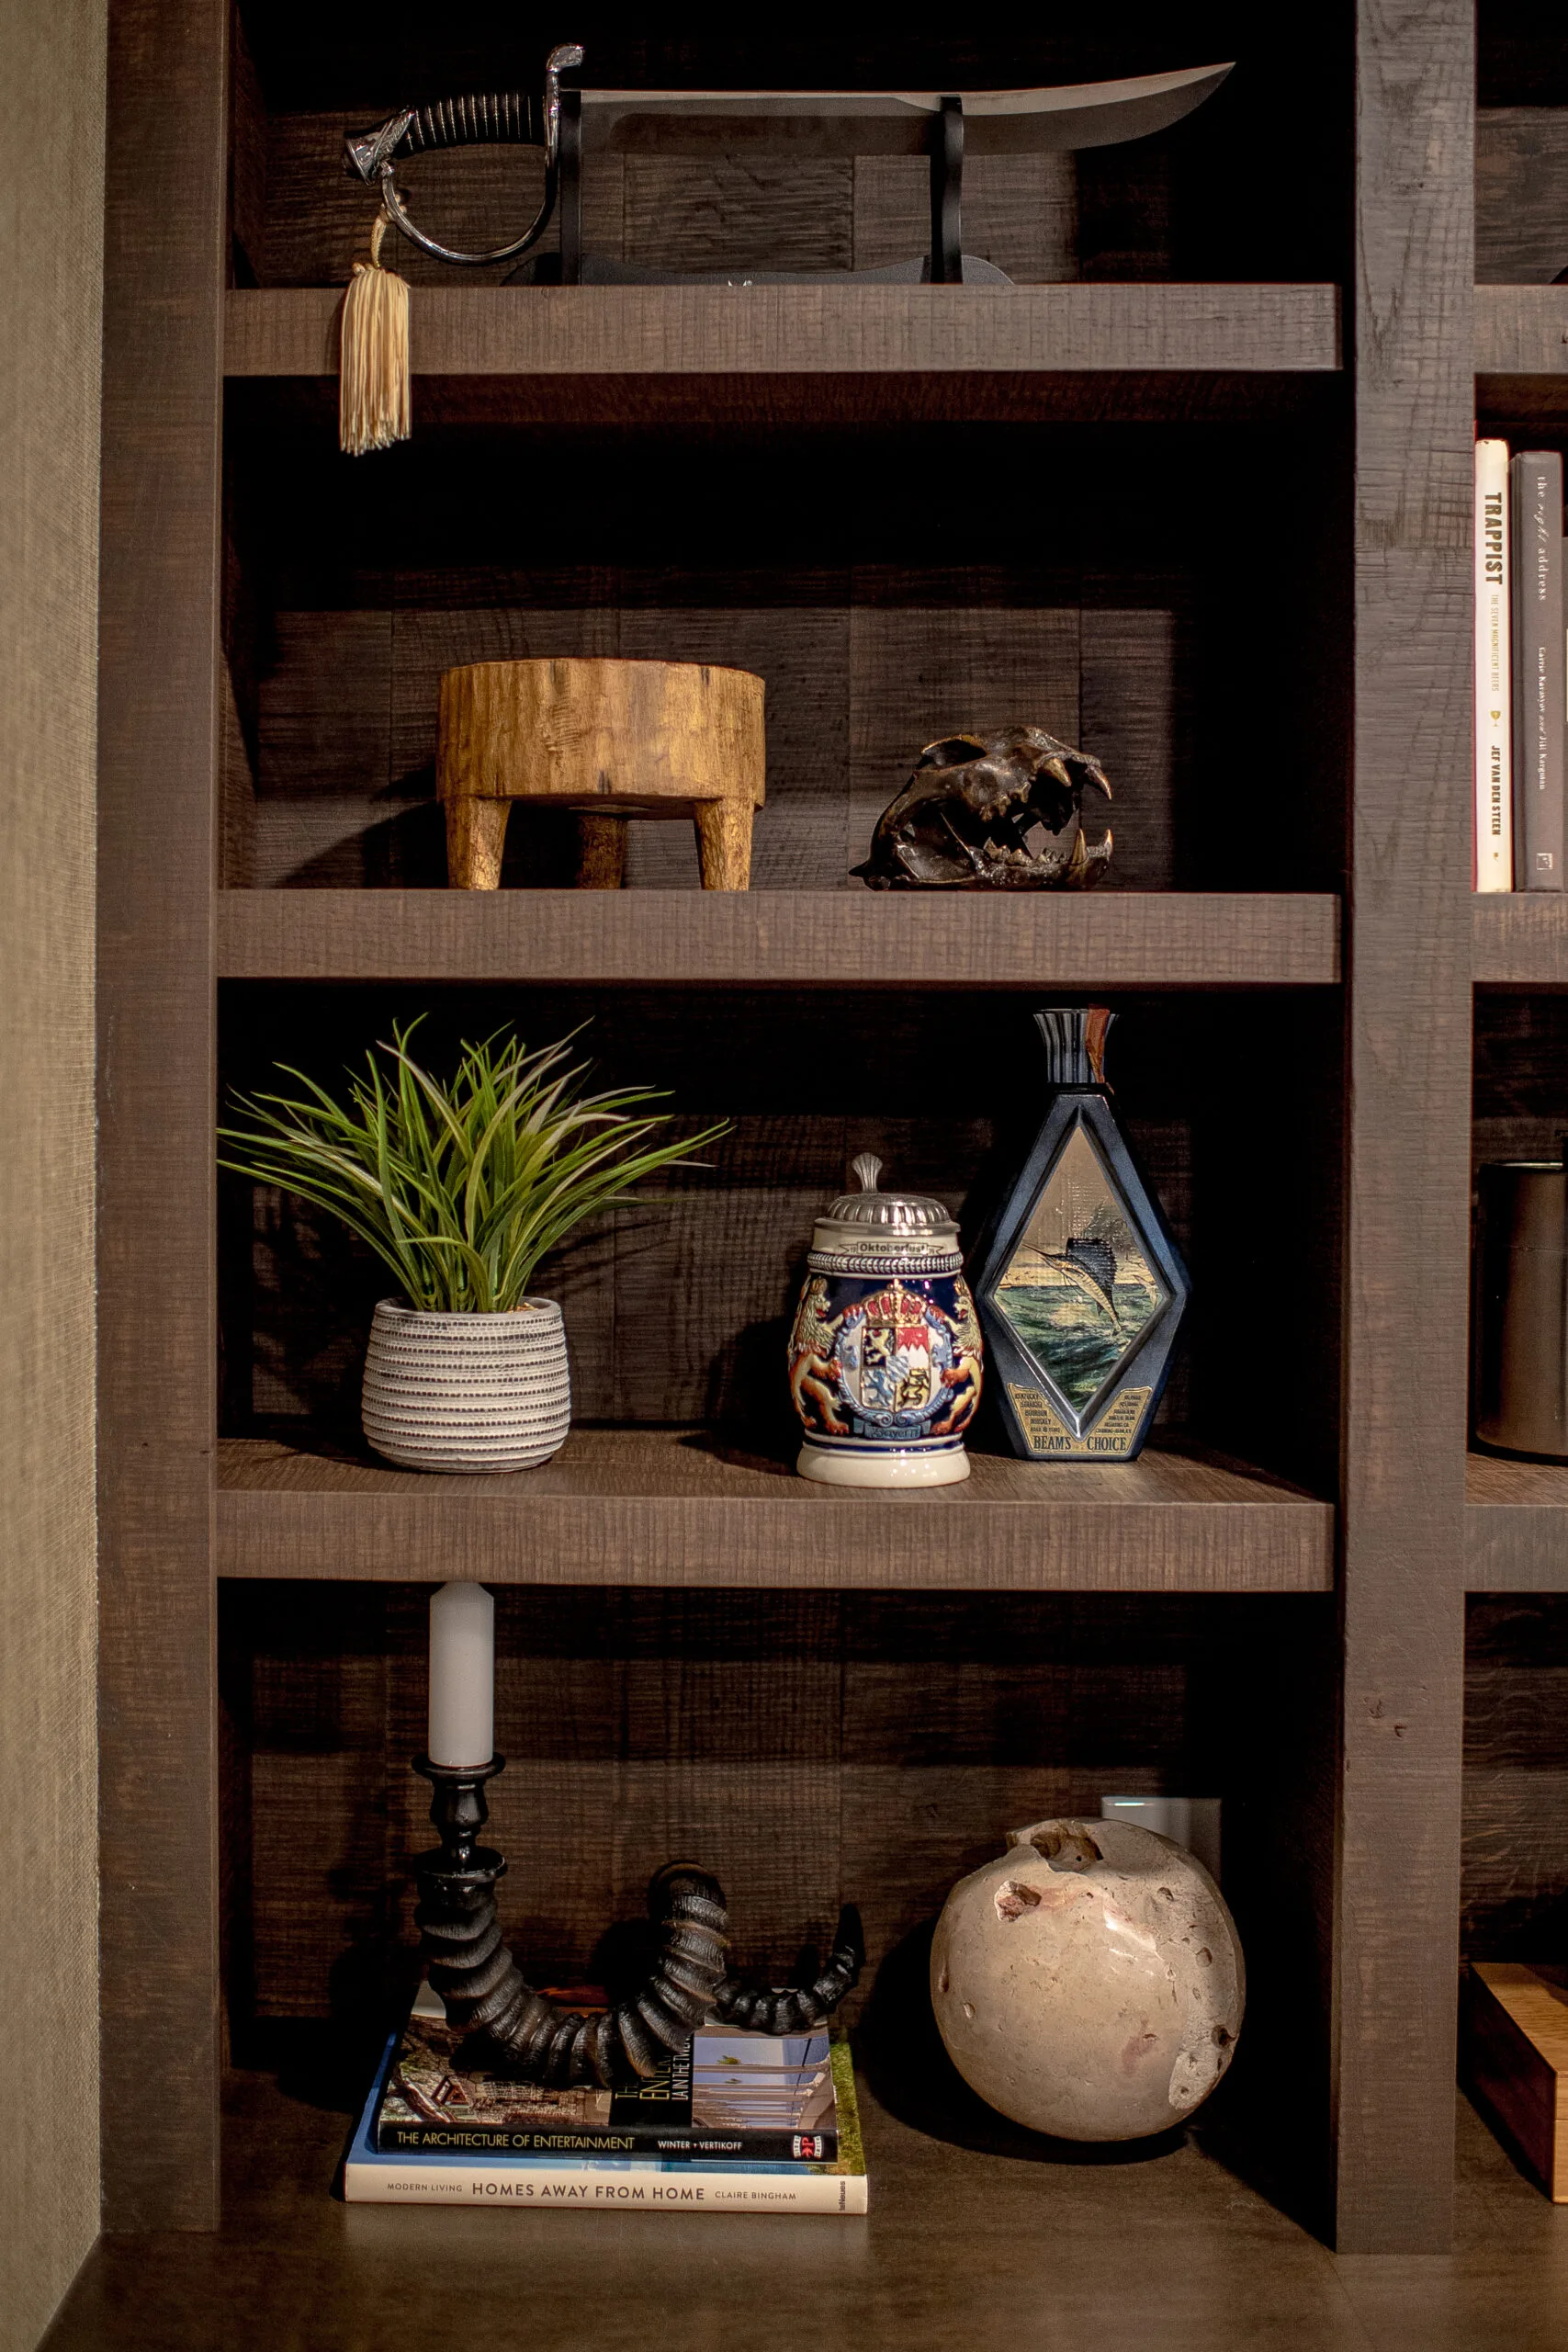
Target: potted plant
x=461 y=1188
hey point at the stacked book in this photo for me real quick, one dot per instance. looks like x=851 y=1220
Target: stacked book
x=1521 y=669
x=740 y=2122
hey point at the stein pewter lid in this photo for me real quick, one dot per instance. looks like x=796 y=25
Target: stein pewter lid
x=876 y=1233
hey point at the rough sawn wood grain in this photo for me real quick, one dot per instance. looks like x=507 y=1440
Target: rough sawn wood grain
x=659 y=1506
x=1406 y=1224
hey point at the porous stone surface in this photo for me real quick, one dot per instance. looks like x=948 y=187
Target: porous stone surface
x=1089 y=1983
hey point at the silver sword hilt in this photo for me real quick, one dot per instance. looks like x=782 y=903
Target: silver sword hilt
x=506 y=117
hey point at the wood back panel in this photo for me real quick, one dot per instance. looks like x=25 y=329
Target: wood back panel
x=1515 y=1883
x=932 y=582
x=1520 y=1099
x=925 y=571
x=1521 y=186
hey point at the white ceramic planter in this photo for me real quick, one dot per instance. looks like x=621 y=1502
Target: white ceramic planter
x=467 y=1392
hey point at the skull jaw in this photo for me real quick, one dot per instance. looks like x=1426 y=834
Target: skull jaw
x=924 y=866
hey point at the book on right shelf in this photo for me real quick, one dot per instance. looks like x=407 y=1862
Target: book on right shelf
x=1522 y=670
x=1493 y=867
x=1534 y=481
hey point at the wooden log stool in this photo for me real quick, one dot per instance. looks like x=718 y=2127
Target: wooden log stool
x=611 y=740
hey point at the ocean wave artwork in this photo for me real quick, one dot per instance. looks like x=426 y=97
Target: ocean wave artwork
x=1079 y=1289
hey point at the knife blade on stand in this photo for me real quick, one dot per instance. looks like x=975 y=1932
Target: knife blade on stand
x=942 y=125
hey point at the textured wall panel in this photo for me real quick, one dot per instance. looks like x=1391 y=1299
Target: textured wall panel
x=51 y=69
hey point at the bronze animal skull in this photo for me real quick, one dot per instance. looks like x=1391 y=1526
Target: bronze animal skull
x=994 y=812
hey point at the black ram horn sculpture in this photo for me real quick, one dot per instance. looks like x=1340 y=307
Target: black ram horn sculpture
x=535 y=2041
x=990 y=812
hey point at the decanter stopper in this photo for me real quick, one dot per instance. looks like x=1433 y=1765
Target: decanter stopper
x=1075 y=1038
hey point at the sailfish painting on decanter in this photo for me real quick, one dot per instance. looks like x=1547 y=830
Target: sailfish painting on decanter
x=1078 y=1283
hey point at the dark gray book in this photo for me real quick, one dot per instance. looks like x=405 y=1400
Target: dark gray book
x=1535 y=482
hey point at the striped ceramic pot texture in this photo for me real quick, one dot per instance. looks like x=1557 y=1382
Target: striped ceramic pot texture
x=467 y=1392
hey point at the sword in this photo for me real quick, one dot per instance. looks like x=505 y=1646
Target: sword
x=942 y=125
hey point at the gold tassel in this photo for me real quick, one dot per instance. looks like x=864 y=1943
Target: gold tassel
x=373 y=367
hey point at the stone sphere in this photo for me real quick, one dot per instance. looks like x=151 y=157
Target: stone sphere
x=1089 y=1983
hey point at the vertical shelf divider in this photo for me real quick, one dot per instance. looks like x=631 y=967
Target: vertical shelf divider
x=157 y=864
x=1396 y=1897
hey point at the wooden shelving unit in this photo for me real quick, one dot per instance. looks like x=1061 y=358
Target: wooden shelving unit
x=1516 y=1511
x=1516 y=1568
x=910 y=509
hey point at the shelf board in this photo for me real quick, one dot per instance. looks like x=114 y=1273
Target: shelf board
x=1519 y=939
x=1521 y=352
x=826 y=938
x=1053 y=336
x=679 y=1507
x=1515 y=1525
x=959 y=2201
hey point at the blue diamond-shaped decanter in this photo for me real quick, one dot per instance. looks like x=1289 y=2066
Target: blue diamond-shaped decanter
x=1078 y=1283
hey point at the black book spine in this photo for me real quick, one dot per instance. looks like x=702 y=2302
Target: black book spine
x=702 y=2147
x=1535 y=479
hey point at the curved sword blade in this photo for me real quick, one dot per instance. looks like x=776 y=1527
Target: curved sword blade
x=894 y=122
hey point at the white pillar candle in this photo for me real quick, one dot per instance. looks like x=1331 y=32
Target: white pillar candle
x=462 y=1676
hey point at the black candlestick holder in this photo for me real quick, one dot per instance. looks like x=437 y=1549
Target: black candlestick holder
x=535 y=2041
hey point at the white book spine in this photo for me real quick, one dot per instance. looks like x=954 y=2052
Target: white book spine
x=1493 y=863
x=686 y=2190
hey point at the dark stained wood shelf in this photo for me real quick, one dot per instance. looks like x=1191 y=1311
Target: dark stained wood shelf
x=1515 y=1525
x=1521 y=330
x=1521 y=352
x=810 y=330
x=957 y=2207
x=1132 y=939
x=525 y=336
x=676 y=1507
x=1519 y=939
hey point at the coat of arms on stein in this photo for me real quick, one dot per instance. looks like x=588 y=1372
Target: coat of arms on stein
x=885 y=1354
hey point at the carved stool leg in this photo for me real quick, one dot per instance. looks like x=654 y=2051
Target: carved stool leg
x=724 y=843
x=600 y=853
x=476 y=835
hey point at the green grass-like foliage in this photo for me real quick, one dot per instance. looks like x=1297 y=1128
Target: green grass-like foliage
x=462 y=1188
